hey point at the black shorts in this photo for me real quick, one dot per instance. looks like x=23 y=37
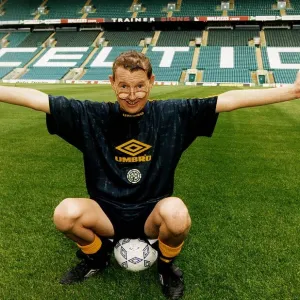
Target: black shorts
x=128 y=220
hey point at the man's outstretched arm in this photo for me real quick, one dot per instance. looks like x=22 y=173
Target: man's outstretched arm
x=232 y=100
x=25 y=97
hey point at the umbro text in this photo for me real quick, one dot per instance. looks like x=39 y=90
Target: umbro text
x=123 y=159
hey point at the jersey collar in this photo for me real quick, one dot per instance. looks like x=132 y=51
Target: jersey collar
x=141 y=113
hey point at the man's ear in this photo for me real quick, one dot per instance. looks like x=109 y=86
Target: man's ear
x=112 y=82
x=152 y=79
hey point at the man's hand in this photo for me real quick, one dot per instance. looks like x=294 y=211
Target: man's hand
x=255 y=97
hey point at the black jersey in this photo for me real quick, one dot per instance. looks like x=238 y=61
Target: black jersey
x=131 y=159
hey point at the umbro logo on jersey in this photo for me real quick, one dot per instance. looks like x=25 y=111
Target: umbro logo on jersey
x=133 y=148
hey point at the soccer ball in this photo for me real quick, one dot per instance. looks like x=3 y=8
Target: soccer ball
x=134 y=254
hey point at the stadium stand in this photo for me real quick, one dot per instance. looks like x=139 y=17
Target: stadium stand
x=290 y=57
x=126 y=38
x=22 y=57
x=209 y=58
x=265 y=58
x=244 y=60
x=223 y=60
x=252 y=8
x=294 y=8
x=153 y=8
x=285 y=76
x=282 y=37
x=2 y=35
x=16 y=10
x=225 y=37
x=111 y=9
x=63 y=9
x=35 y=39
x=42 y=74
x=177 y=38
x=226 y=55
x=182 y=60
x=15 y=39
x=75 y=38
x=5 y=70
x=199 y=8
x=11 y=59
x=56 y=9
x=56 y=70
x=227 y=75
x=101 y=73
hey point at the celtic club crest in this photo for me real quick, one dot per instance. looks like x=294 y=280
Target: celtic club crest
x=134 y=176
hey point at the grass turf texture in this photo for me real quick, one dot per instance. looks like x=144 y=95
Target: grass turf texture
x=241 y=188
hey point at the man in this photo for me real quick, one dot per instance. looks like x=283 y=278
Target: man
x=130 y=150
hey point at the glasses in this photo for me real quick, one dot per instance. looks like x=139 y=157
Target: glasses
x=125 y=91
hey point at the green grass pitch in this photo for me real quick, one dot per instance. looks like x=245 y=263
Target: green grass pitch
x=241 y=187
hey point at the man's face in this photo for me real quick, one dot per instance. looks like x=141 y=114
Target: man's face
x=132 y=89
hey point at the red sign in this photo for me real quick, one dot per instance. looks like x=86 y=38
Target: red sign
x=226 y=19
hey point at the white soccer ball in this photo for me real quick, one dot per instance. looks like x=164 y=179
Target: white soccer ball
x=134 y=254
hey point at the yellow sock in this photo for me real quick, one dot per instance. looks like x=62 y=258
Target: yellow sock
x=93 y=247
x=168 y=252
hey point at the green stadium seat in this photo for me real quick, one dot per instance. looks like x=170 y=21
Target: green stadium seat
x=45 y=73
x=265 y=58
x=294 y=9
x=285 y=76
x=111 y=9
x=227 y=75
x=199 y=8
x=126 y=38
x=253 y=8
x=58 y=9
x=225 y=37
x=154 y=8
x=75 y=38
x=52 y=73
x=15 y=39
x=181 y=61
x=17 y=10
x=177 y=38
x=23 y=57
x=5 y=70
x=282 y=37
x=35 y=39
x=210 y=58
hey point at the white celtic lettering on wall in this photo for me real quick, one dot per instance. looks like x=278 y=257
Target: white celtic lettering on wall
x=3 y=51
x=51 y=54
x=275 y=60
x=227 y=57
x=101 y=57
x=168 y=55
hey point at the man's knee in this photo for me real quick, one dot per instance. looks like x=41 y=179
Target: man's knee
x=66 y=214
x=175 y=215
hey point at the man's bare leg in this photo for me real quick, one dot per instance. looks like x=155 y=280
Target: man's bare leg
x=170 y=222
x=83 y=221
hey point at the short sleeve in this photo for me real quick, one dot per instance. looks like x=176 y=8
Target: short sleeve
x=198 y=117
x=66 y=119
